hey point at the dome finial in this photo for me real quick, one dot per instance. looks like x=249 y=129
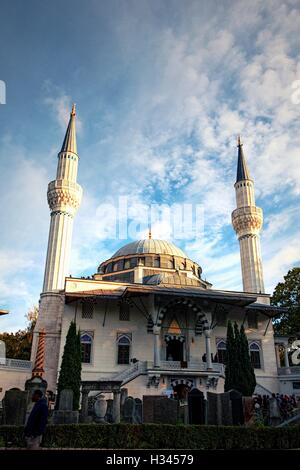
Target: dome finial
x=73 y=111
x=239 y=143
x=149 y=233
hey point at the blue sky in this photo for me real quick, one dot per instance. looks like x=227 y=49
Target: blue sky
x=162 y=89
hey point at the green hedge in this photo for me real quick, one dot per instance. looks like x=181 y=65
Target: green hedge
x=158 y=436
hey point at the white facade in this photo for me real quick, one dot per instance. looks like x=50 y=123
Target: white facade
x=147 y=317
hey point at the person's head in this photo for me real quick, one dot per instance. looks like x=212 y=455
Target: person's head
x=37 y=395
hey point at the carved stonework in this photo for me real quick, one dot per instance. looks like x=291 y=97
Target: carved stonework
x=247 y=219
x=212 y=382
x=153 y=381
x=64 y=195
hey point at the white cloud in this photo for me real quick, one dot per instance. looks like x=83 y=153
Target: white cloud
x=198 y=80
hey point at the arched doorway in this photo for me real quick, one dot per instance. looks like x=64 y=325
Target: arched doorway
x=181 y=387
x=181 y=391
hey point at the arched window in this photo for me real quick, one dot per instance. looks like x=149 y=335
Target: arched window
x=221 y=351
x=156 y=261
x=115 y=267
x=254 y=349
x=86 y=348
x=127 y=264
x=123 y=349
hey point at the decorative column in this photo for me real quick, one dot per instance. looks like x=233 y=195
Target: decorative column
x=38 y=370
x=277 y=355
x=117 y=406
x=207 y=334
x=156 y=333
x=286 y=356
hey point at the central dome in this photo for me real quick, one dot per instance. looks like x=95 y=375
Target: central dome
x=158 y=247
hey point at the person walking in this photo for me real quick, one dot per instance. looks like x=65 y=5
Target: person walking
x=37 y=421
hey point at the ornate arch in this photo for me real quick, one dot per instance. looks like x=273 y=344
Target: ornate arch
x=182 y=381
x=201 y=320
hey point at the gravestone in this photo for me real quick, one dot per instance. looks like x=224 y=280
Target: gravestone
x=158 y=409
x=66 y=400
x=15 y=406
x=236 y=399
x=138 y=411
x=226 y=409
x=124 y=395
x=274 y=412
x=196 y=403
x=129 y=410
x=213 y=408
x=65 y=413
x=248 y=411
x=109 y=417
x=32 y=384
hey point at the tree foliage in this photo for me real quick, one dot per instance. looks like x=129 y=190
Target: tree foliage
x=18 y=344
x=287 y=294
x=70 y=371
x=239 y=373
x=247 y=375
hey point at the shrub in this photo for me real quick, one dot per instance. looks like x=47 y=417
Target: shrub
x=158 y=436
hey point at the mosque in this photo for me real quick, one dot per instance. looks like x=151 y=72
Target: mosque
x=146 y=317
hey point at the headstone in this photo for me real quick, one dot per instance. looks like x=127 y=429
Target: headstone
x=213 y=408
x=15 y=406
x=248 y=411
x=274 y=412
x=65 y=413
x=138 y=411
x=129 y=410
x=159 y=409
x=66 y=400
x=35 y=383
x=100 y=407
x=226 y=409
x=109 y=417
x=196 y=403
x=237 y=407
x=124 y=395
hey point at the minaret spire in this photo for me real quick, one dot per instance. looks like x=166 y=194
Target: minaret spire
x=69 y=143
x=247 y=221
x=242 y=168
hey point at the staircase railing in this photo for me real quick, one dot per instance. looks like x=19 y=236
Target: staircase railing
x=131 y=372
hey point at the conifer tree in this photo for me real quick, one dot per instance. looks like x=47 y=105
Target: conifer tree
x=232 y=360
x=248 y=380
x=70 y=371
x=239 y=372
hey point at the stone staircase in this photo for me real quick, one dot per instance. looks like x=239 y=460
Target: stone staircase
x=131 y=372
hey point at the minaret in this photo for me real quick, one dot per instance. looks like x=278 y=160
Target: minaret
x=64 y=197
x=247 y=221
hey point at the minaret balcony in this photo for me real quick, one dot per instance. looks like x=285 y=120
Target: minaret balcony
x=245 y=219
x=64 y=194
